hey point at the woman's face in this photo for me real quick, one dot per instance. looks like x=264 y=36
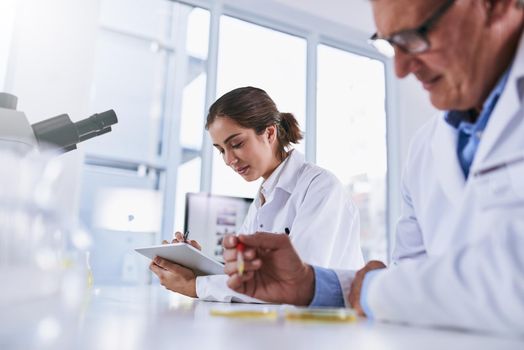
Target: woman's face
x=250 y=155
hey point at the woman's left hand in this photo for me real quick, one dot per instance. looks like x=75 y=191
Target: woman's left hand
x=174 y=277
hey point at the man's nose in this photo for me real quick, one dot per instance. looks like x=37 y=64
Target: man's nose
x=405 y=63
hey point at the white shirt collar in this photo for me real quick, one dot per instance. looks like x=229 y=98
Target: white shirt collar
x=284 y=176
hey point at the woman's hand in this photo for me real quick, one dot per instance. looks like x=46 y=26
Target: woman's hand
x=174 y=277
x=179 y=238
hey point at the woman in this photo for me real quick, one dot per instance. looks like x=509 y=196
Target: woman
x=298 y=198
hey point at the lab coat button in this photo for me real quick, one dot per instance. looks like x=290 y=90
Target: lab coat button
x=261 y=225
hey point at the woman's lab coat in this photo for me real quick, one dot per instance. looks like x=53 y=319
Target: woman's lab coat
x=460 y=244
x=313 y=204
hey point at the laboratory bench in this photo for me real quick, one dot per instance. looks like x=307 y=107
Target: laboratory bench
x=150 y=317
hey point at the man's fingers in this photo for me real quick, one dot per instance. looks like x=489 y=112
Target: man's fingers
x=238 y=283
x=375 y=264
x=352 y=292
x=356 y=284
x=232 y=267
x=262 y=240
x=235 y=282
x=229 y=241
x=232 y=254
x=265 y=240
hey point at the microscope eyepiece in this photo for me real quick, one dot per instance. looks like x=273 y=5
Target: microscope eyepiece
x=96 y=125
x=63 y=133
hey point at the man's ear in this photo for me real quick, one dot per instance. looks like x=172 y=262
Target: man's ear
x=497 y=9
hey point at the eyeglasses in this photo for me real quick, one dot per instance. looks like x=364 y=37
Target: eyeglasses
x=410 y=40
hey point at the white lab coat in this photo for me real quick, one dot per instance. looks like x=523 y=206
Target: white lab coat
x=460 y=244
x=313 y=204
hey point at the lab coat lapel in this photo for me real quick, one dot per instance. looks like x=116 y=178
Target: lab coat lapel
x=505 y=111
x=289 y=175
x=447 y=171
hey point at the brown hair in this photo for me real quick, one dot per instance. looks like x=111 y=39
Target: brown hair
x=252 y=108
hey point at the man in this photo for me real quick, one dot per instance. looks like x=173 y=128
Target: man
x=458 y=259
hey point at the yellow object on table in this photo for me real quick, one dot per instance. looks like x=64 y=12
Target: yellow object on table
x=320 y=314
x=234 y=312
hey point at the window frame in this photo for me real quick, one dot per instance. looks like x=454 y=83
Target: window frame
x=316 y=31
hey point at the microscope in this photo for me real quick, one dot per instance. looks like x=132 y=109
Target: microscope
x=57 y=134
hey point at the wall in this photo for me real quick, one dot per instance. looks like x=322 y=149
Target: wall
x=51 y=59
x=7 y=15
x=353 y=13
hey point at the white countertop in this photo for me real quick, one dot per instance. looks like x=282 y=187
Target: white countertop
x=154 y=318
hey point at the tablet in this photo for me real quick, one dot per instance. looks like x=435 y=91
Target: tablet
x=185 y=255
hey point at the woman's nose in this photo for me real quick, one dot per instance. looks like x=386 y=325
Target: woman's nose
x=230 y=158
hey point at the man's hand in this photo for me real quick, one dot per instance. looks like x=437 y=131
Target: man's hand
x=273 y=271
x=174 y=277
x=356 y=285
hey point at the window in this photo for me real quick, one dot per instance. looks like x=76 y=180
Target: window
x=156 y=64
x=150 y=66
x=351 y=136
x=253 y=55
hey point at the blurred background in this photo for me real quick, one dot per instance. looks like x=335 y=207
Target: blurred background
x=160 y=64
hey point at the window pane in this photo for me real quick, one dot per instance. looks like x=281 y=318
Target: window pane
x=188 y=180
x=134 y=46
x=128 y=78
x=271 y=60
x=193 y=103
x=351 y=136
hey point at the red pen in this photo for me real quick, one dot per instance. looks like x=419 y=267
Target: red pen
x=240 y=257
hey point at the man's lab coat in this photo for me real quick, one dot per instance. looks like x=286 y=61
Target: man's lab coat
x=460 y=244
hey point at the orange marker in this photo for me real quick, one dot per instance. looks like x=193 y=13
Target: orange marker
x=240 y=258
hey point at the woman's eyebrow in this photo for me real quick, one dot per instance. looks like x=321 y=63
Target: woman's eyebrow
x=230 y=137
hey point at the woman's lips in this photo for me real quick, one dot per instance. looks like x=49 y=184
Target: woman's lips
x=242 y=170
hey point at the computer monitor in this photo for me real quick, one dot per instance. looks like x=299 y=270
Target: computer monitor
x=208 y=217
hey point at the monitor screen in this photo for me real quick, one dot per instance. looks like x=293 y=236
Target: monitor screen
x=209 y=217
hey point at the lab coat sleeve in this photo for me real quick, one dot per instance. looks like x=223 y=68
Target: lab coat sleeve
x=214 y=288
x=326 y=228
x=409 y=243
x=479 y=286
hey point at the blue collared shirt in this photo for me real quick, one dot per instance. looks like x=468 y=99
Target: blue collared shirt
x=470 y=133
x=328 y=291
x=327 y=288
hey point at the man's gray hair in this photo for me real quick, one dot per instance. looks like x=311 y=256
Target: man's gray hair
x=520 y=3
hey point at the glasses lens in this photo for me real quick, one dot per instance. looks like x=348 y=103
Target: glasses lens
x=410 y=41
x=383 y=46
